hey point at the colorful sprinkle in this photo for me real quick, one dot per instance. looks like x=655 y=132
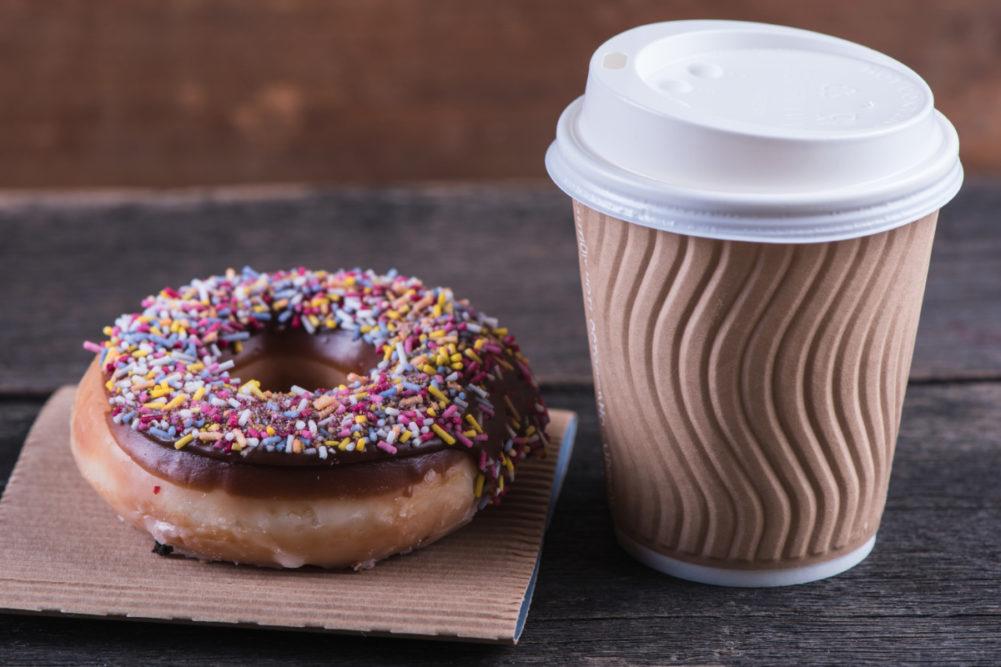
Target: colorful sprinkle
x=168 y=370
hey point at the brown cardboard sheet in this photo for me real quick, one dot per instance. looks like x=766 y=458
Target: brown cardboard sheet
x=63 y=551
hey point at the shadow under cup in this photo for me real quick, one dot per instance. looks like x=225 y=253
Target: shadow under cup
x=749 y=393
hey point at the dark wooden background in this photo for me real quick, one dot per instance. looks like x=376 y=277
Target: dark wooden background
x=323 y=93
x=929 y=593
x=182 y=92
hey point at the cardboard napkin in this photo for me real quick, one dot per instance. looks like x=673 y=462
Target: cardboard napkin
x=63 y=551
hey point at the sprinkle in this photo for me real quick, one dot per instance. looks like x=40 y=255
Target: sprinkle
x=323 y=401
x=475 y=424
x=176 y=401
x=166 y=374
x=443 y=434
x=437 y=393
x=510 y=406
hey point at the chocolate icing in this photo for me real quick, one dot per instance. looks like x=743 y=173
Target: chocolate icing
x=279 y=359
x=192 y=470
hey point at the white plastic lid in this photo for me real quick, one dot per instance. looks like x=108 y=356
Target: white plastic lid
x=754 y=132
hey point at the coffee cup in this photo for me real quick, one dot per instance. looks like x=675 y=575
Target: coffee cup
x=755 y=207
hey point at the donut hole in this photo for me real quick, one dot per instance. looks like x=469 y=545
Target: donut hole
x=281 y=359
x=281 y=373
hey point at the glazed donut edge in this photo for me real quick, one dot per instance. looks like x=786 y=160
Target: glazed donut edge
x=214 y=525
x=450 y=400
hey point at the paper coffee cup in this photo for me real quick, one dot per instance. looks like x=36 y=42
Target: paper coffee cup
x=755 y=208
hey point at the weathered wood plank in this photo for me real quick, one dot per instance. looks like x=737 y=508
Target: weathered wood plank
x=928 y=593
x=73 y=263
x=80 y=263
x=221 y=91
x=960 y=331
x=16 y=417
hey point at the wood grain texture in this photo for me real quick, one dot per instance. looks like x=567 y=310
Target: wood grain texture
x=928 y=593
x=180 y=92
x=75 y=262
x=16 y=417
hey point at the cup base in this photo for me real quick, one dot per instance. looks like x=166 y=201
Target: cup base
x=718 y=576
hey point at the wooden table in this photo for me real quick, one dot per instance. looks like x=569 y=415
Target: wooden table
x=929 y=592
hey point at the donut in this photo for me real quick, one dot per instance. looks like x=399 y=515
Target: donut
x=304 y=417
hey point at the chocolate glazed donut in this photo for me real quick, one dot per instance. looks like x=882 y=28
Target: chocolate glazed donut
x=222 y=468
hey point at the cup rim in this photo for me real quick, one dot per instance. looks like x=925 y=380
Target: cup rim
x=748 y=216
x=679 y=157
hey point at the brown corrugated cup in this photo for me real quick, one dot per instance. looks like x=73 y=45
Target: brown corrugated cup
x=752 y=310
